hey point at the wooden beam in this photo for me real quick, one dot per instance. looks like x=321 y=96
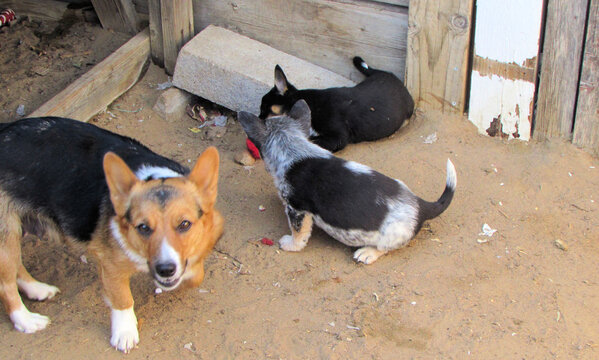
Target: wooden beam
x=438 y=49
x=177 y=29
x=100 y=86
x=586 y=123
x=156 y=42
x=117 y=15
x=562 y=54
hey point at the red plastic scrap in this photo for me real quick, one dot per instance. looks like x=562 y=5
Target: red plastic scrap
x=267 y=241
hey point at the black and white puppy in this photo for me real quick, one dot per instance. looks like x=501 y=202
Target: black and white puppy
x=351 y=202
x=374 y=109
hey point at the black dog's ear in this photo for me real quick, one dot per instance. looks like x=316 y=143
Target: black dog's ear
x=301 y=113
x=280 y=80
x=253 y=126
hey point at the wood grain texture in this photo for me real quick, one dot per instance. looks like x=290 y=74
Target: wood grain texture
x=437 y=58
x=562 y=53
x=586 y=123
x=155 y=27
x=117 y=15
x=100 y=86
x=177 y=29
x=326 y=33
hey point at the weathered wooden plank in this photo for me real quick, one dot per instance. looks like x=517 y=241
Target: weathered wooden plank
x=100 y=86
x=437 y=60
x=586 y=123
x=117 y=15
x=327 y=33
x=156 y=42
x=556 y=99
x=177 y=29
x=506 y=45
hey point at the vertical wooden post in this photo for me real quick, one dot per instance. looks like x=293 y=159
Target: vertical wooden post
x=562 y=54
x=156 y=43
x=586 y=123
x=177 y=29
x=118 y=15
x=438 y=47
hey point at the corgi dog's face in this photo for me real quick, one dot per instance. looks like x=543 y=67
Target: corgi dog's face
x=165 y=224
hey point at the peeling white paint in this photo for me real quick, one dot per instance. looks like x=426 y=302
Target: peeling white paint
x=494 y=96
x=508 y=30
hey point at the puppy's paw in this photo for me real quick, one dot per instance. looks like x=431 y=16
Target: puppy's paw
x=124 y=330
x=36 y=290
x=28 y=322
x=368 y=254
x=288 y=244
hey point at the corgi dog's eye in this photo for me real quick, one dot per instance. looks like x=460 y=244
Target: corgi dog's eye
x=143 y=229
x=183 y=226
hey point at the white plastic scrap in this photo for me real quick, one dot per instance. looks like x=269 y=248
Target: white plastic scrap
x=220 y=120
x=487 y=230
x=165 y=85
x=21 y=110
x=431 y=138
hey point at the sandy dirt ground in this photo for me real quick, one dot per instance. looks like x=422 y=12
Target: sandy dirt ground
x=451 y=294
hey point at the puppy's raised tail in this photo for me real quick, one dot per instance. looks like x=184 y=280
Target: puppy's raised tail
x=363 y=67
x=429 y=210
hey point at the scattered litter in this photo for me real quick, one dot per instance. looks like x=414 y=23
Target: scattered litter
x=560 y=245
x=487 y=230
x=196 y=112
x=267 y=241
x=112 y=115
x=569 y=173
x=261 y=208
x=189 y=346
x=431 y=138
x=195 y=130
x=203 y=291
x=501 y=184
x=220 y=120
x=482 y=241
x=332 y=324
x=371 y=109
x=413 y=303
x=21 y=110
x=353 y=327
x=277 y=284
x=436 y=240
x=559 y=316
x=6 y=16
x=591 y=167
x=376 y=297
x=83 y=259
x=158 y=291
x=165 y=85
x=41 y=70
x=252 y=149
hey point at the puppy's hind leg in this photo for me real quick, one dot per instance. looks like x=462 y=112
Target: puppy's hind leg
x=301 y=229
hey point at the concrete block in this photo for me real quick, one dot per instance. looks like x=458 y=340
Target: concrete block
x=171 y=104
x=235 y=71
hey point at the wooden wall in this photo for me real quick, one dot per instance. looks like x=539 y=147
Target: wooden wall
x=327 y=33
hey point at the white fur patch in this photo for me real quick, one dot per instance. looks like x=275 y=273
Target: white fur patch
x=154 y=172
x=287 y=243
x=452 y=178
x=28 y=322
x=124 y=329
x=313 y=132
x=140 y=262
x=36 y=290
x=357 y=167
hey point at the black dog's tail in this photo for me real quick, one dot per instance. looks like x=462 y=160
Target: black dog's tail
x=363 y=67
x=429 y=210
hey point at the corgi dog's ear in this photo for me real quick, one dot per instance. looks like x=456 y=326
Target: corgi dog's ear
x=281 y=81
x=300 y=112
x=254 y=127
x=205 y=175
x=120 y=180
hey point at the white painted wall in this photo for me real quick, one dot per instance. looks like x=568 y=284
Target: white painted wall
x=507 y=31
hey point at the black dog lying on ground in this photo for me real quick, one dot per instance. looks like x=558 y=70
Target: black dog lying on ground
x=371 y=110
x=351 y=202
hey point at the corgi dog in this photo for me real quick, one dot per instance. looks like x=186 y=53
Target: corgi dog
x=351 y=202
x=374 y=109
x=134 y=211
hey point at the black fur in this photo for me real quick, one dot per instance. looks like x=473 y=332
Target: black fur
x=371 y=110
x=321 y=186
x=55 y=164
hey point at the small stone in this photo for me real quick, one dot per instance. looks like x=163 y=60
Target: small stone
x=244 y=158
x=560 y=245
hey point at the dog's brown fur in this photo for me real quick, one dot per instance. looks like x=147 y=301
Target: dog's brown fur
x=193 y=199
